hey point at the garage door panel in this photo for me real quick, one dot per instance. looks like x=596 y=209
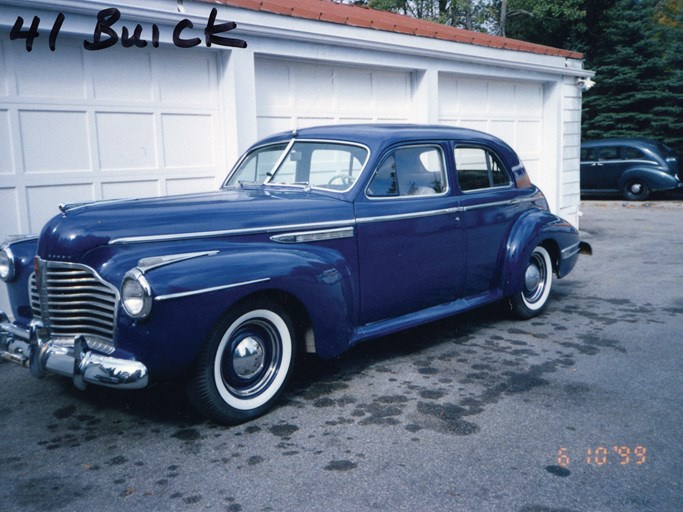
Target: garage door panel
x=7 y=165
x=528 y=138
x=297 y=94
x=55 y=141
x=469 y=96
x=267 y=125
x=10 y=212
x=188 y=140
x=42 y=75
x=504 y=129
x=186 y=79
x=501 y=96
x=4 y=77
x=119 y=76
x=390 y=91
x=529 y=99
x=190 y=186
x=43 y=201
x=126 y=141
x=272 y=92
x=130 y=189
x=351 y=84
x=314 y=88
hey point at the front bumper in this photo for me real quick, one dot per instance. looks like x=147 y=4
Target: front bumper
x=32 y=348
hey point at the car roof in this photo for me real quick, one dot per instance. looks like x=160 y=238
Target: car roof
x=384 y=134
x=621 y=142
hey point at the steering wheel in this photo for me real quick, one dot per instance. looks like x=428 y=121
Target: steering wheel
x=345 y=179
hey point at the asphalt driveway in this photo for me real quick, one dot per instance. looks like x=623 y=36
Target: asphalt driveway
x=579 y=410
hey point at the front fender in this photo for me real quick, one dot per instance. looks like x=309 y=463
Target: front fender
x=655 y=179
x=539 y=228
x=191 y=296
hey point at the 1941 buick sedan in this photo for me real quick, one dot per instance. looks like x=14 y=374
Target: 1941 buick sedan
x=318 y=240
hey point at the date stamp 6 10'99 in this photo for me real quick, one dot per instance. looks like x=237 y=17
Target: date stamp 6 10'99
x=602 y=455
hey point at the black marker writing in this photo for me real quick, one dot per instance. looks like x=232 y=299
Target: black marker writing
x=105 y=34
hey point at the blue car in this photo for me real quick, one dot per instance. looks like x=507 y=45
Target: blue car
x=318 y=240
x=632 y=167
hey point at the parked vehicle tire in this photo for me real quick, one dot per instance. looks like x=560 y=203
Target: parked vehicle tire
x=537 y=282
x=245 y=363
x=636 y=190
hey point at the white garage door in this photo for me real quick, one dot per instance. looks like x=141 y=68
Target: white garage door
x=293 y=94
x=510 y=110
x=81 y=126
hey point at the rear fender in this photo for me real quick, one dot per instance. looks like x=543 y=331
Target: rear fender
x=539 y=228
x=655 y=179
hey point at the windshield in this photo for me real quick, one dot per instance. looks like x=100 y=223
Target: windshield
x=327 y=165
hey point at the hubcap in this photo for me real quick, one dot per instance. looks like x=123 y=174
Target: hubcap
x=532 y=277
x=248 y=358
x=636 y=188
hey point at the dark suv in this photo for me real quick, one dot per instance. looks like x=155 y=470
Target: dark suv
x=633 y=167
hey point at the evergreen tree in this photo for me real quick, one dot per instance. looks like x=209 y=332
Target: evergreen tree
x=639 y=81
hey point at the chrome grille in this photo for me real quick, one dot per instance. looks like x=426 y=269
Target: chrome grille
x=71 y=299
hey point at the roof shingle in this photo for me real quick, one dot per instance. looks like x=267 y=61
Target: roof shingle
x=355 y=16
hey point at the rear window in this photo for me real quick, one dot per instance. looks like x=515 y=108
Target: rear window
x=478 y=168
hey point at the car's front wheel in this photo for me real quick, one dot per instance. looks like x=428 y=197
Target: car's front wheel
x=245 y=363
x=536 y=285
x=636 y=190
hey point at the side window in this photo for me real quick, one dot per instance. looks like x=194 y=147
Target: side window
x=410 y=171
x=609 y=153
x=629 y=153
x=588 y=155
x=479 y=168
x=257 y=165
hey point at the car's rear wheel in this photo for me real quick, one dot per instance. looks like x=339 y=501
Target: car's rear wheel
x=536 y=285
x=636 y=190
x=245 y=363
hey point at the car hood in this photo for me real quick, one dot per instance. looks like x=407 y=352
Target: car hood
x=81 y=228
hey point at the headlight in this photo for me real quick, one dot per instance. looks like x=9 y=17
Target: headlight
x=6 y=264
x=136 y=294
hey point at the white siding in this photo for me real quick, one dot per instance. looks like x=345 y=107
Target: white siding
x=570 y=193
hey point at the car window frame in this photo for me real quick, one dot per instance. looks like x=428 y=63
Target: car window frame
x=501 y=162
x=390 y=152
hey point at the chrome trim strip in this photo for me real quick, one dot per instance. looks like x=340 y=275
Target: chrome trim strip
x=312 y=225
x=509 y=202
x=570 y=251
x=414 y=215
x=15 y=239
x=147 y=264
x=229 y=232
x=171 y=296
x=281 y=159
x=314 y=236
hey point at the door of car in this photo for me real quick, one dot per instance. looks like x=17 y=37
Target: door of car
x=590 y=175
x=490 y=206
x=602 y=173
x=410 y=244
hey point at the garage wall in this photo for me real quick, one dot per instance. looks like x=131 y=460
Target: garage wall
x=293 y=94
x=81 y=126
x=570 y=186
